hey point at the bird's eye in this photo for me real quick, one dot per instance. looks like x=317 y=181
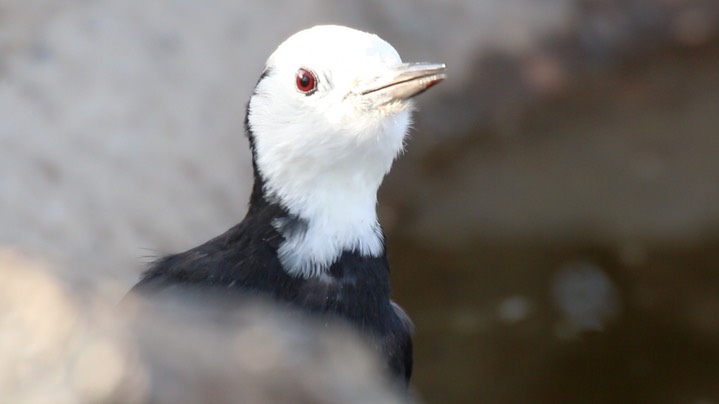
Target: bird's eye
x=306 y=81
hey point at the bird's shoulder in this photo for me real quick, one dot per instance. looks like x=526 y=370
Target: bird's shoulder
x=244 y=255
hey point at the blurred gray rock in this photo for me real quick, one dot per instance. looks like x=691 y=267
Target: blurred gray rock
x=121 y=130
x=56 y=349
x=121 y=134
x=603 y=132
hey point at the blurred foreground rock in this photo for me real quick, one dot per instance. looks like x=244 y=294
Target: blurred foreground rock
x=57 y=350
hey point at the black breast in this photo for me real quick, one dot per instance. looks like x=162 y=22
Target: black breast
x=243 y=261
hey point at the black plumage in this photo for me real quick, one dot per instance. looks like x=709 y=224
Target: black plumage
x=331 y=111
x=244 y=262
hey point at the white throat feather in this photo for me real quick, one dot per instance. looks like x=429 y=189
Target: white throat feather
x=334 y=194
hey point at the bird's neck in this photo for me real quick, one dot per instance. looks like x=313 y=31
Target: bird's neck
x=327 y=215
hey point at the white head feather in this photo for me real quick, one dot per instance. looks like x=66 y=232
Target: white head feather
x=323 y=156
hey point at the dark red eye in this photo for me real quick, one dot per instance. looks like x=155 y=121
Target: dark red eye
x=306 y=81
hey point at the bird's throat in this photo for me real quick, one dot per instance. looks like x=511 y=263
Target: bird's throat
x=333 y=218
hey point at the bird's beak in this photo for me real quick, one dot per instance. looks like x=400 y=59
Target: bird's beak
x=404 y=81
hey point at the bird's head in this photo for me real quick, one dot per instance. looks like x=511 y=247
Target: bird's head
x=333 y=103
x=326 y=120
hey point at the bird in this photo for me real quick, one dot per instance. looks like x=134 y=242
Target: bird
x=327 y=118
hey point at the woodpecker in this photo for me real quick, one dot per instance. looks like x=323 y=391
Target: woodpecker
x=327 y=118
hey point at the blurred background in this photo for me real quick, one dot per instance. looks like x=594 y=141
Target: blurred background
x=553 y=227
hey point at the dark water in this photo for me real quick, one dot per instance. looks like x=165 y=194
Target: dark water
x=490 y=328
